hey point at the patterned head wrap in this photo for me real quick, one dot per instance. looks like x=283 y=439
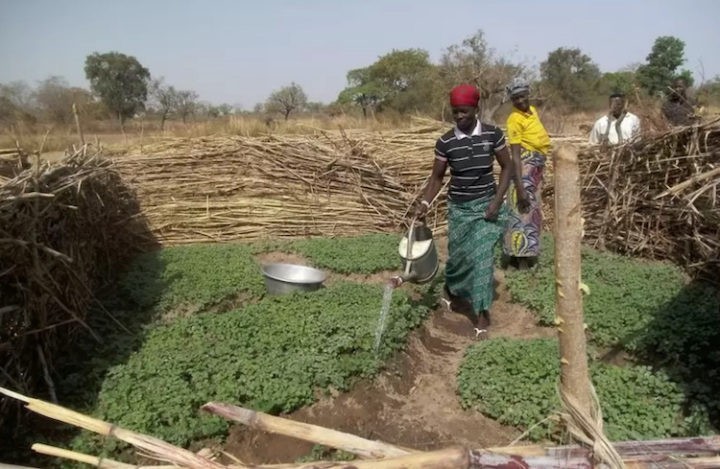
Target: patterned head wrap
x=517 y=87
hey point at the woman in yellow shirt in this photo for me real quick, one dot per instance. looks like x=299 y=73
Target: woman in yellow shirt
x=529 y=146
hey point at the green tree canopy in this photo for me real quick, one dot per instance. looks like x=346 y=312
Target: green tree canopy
x=571 y=78
x=402 y=80
x=120 y=82
x=618 y=82
x=662 y=64
x=361 y=91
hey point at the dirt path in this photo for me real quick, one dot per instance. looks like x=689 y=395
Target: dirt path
x=413 y=402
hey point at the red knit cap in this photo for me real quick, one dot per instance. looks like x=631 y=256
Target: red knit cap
x=464 y=95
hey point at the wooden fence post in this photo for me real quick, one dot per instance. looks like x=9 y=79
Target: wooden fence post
x=569 y=314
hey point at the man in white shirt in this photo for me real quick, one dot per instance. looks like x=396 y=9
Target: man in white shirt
x=618 y=126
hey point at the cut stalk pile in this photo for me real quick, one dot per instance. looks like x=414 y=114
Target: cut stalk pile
x=658 y=198
x=222 y=189
x=62 y=234
x=230 y=188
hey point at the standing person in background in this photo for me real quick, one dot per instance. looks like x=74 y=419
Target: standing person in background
x=476 y=215
x=529 y=146
x=618 y=126
x=678 y=109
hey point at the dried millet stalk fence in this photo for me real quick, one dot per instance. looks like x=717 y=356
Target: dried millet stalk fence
x=232 y=188
x=655 y=198
x=62 y=234
x=658 y=198
x=221 y=189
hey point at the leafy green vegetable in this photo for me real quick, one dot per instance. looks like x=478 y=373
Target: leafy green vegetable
x=192 y=277
x=366 y=254
x=625 y=293
x=270 y=356
x=323 y=453
x=646 y=309
x=515 y=382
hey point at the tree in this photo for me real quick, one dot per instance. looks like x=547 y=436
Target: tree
x=662 y=63
x=406 y=80
x=315 y=107
x=120 y=81
x=55 y=98
x=17 y=102
x=20 y=94
x=225 y=109
x=622 y=82
x=709 y=92
x=213 y=111
x=472 y=61
x=361 y=91
x=402 y=80
x=165 y=97
x=187 y=103
x=571 y=77
x=286 y=100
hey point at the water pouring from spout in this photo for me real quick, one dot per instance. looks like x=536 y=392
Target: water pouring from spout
x=420 y=264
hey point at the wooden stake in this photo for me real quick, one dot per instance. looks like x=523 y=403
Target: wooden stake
x=568 y=303
x=77 y=124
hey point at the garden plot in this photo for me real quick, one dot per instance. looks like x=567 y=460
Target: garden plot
x=310 y=356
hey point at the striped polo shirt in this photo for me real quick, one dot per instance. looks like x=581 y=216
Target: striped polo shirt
x=470 y=158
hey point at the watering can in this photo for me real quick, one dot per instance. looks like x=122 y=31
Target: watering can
x=419 y=255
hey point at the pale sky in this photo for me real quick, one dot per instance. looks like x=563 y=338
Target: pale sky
x=238 y=52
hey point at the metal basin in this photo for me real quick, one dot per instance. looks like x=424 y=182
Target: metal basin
x=287 y=278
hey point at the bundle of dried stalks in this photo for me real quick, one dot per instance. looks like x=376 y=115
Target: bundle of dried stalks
x=12 y=162
x=220 y=189
x=60 y=238
x=658 y=198
x=326 y=184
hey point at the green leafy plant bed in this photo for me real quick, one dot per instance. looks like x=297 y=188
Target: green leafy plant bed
x=624 y=293
x=646 y=309
x=270 y=356
x=365 y=254
x=191 y=278
x=194 y=278
x=514 y=382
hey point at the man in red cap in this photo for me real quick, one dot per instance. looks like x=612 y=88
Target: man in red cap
x=476 y=215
